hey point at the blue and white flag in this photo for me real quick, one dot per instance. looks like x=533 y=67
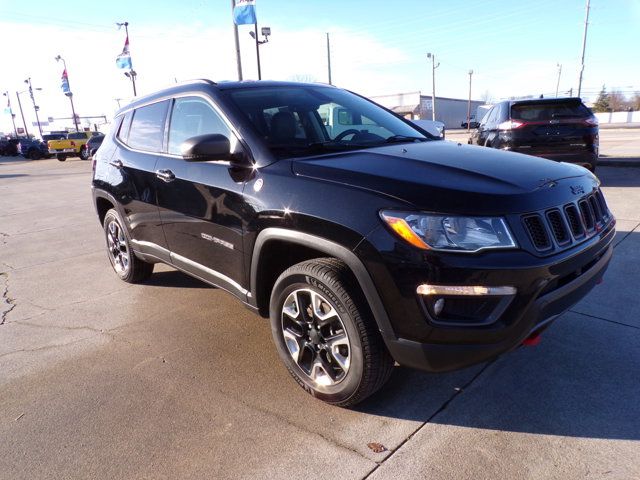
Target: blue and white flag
x=244 y=13
x=124 y=59
x=65 y=83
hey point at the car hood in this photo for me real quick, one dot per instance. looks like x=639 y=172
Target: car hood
x=448 y=177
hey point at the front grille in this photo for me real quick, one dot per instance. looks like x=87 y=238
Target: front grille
x=564 y=226
x=574 y=220
x=560 y=232
x=537 y=232
x=587 y=215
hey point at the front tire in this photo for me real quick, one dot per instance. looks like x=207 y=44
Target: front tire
x=84 y=154
x=124 y=262
x=325 y=334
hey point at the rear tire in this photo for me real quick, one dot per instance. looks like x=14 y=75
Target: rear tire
x=83 y=155
x=124 y=262
x=34 y=154
x=325 y=333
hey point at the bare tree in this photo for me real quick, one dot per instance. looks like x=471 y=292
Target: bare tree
x=617 y=101
x=486 y=97
x=635 y=101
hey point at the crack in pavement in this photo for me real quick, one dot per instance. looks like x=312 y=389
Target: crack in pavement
x=628 y=233
x=604 y=319
x=442 y=408
x=6 y=300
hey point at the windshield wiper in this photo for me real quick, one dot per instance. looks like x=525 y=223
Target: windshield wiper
x=404 y=138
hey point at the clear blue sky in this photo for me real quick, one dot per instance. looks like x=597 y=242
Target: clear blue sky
x=513 y=47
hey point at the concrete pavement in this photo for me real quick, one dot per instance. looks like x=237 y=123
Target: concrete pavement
x=174 y=379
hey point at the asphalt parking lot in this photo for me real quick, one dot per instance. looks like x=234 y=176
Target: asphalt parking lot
x=174 y=379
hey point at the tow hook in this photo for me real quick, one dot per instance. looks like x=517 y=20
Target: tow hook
x=532 y=340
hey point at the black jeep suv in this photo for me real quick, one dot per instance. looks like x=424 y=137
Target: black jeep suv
x=561 y=129
x=363 y=240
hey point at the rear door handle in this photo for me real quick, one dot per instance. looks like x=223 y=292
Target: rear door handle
x=165 y=175
x=116 y=163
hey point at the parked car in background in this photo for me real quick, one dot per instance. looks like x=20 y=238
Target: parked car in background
x=33 y=148
x=435 y=128
x=561 y=129
x=70 y=146
x=477 y=117
x=89 y=149
x=9 y=147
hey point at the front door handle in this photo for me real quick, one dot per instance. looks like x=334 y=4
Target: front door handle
x=165 y=175
x=116 y=163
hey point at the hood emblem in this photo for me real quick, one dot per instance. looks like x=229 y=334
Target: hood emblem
x=547 y=182
x=577 y=189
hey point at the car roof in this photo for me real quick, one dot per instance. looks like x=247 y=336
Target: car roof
x=547 y=100
x=206 y=85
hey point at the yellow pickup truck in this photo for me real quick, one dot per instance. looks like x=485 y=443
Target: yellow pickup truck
x=71 y=146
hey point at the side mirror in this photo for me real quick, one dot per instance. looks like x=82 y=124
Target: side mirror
x=475 y=124
x=206 y=147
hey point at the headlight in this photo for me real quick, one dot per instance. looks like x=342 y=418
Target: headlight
x=448 y=232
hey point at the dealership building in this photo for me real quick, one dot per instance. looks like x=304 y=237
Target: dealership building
x=415 y=106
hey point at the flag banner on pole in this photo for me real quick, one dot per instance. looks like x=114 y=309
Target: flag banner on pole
x=124 y=59
x=244 y=13
x=65 y=83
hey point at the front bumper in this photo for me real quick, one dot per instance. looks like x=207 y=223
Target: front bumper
x=547 y=287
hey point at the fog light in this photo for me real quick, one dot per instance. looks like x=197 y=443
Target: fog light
x=463 y=290
x=438 y=306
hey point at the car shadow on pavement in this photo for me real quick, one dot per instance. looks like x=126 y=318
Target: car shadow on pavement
x=14 y=175
x=618 y=176
x=175 y=279
x=581 y=381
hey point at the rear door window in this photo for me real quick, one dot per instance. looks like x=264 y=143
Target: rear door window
x=539 y=112
x=147 y=127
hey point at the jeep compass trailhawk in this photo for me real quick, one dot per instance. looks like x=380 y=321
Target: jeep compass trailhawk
x=365 y=244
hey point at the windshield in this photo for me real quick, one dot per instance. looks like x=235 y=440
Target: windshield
x=307 y=120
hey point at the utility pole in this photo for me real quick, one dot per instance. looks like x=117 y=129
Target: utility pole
x=433 y=84
x=69 y=93
x=584 y=45
x=13 y=116
x=469 y=103
x=237 y=39
x=329 y=58
x=35 y=107
x=26 y=130
x=559 y=65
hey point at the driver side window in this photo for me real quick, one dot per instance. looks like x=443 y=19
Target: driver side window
x=193 y=116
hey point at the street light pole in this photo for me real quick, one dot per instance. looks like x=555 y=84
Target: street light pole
x=266 y=31
x=69 y=94
x=433 y=84
x=13 y=117
x=559 y=73
x=35 y=107
x=469 y=103
x=584 y=45
x=26 y=130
